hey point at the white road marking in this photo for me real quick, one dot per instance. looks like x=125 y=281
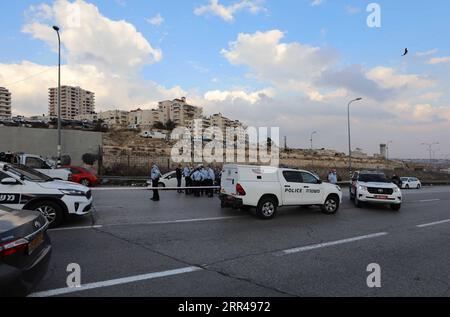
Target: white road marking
x=76 y=228
x=332 y=243
x=428 y=200
x=433 y=223
x=175 y=221
x=120 y=281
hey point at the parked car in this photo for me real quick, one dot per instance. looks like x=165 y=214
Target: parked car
x=374 y=187
x=25 y=188
x=411 y=182
x=267 y=188
x=168 y=180
x=83 y=176
x=25 y=251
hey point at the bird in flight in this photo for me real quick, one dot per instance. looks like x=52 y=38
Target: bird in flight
x=406 y=52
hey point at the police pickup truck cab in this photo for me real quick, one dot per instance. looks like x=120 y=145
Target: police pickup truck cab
x=268 y=188
x=37 y=162
x=25 y=188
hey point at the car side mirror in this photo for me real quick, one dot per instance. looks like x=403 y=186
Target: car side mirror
x=319 y=181
x=9 y=181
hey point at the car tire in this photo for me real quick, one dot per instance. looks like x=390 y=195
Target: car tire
x=396 y=207
x=267 y=208
x=331 y=205
x=418 y=186
x=161 y=185
x=51 y=210
x=407 y=186
x=85 y=182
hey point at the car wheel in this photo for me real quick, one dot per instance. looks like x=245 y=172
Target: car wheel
x=266 y=209
x=396 y=207
x=331 y=205
x=161 y=185
x=85 y=182
x=407 y=186
x=50 y=210
x=418 y=186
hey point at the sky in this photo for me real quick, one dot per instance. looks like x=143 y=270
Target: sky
x=293 y=64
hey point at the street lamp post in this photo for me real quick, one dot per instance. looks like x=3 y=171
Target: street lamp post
x=349 y=137
x=312 y=148
x=430 y=149
x=59 y=148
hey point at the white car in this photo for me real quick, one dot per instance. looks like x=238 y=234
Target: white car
x=25 y=188
x=411 y=182
x=374 y=187
x=267 y=188
x=169 y=180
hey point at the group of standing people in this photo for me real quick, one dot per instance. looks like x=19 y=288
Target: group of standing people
x=201 y=176
x=196 y=179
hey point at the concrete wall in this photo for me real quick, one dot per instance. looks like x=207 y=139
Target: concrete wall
x=44 y=142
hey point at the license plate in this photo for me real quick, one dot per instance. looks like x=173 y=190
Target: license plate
x=381 y=197
x=35 y=243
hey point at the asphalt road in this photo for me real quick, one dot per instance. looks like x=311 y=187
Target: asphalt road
x=186 y=246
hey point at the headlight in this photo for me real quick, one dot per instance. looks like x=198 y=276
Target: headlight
x=396 y=189
x=362 y=188
x=73 y=192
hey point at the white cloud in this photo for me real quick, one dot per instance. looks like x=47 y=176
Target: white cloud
x=387 y=78
x=316 y=3
x=252 y=97
x=157 y=20
x=227 y=13
x=101 y=55
x=289 y=66
x=427 y=53
x=439 y=60
x=89 y=37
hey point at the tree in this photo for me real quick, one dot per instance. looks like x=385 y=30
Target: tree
x=159 y=125
x=170 y=125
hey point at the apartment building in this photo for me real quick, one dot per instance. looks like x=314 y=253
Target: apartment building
x=178 y=111
x=75 y=101
x=114 y=118
x=5 y=103
x=145 y=119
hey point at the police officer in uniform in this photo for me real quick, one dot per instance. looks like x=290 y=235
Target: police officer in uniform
x=155 y=176
x=197 y=177
x=187 y=177
x=210 y=181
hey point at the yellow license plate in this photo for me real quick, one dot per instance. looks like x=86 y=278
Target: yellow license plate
x=35 y=243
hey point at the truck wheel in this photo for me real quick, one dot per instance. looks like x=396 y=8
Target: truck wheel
x=266 y=209
x=50 y=210
x=331 y=205
x=396 y=207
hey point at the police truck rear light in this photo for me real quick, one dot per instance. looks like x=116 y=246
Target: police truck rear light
x=12 y=247
x=240 y=190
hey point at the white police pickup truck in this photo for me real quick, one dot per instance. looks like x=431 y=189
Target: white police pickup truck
x=267 y=188
x=25 y=188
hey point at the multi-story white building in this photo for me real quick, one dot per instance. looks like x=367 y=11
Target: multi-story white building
x=75 y=101
x=114 y=118
x=178 y=111
x=5 y=103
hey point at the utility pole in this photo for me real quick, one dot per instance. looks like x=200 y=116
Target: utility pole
x=59 y=148
x=349 y=137
x=430 y=150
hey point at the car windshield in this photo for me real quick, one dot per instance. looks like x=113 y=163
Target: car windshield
x=27 y=173
x=377 y=178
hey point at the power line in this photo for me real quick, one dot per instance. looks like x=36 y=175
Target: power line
x=26 y=78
